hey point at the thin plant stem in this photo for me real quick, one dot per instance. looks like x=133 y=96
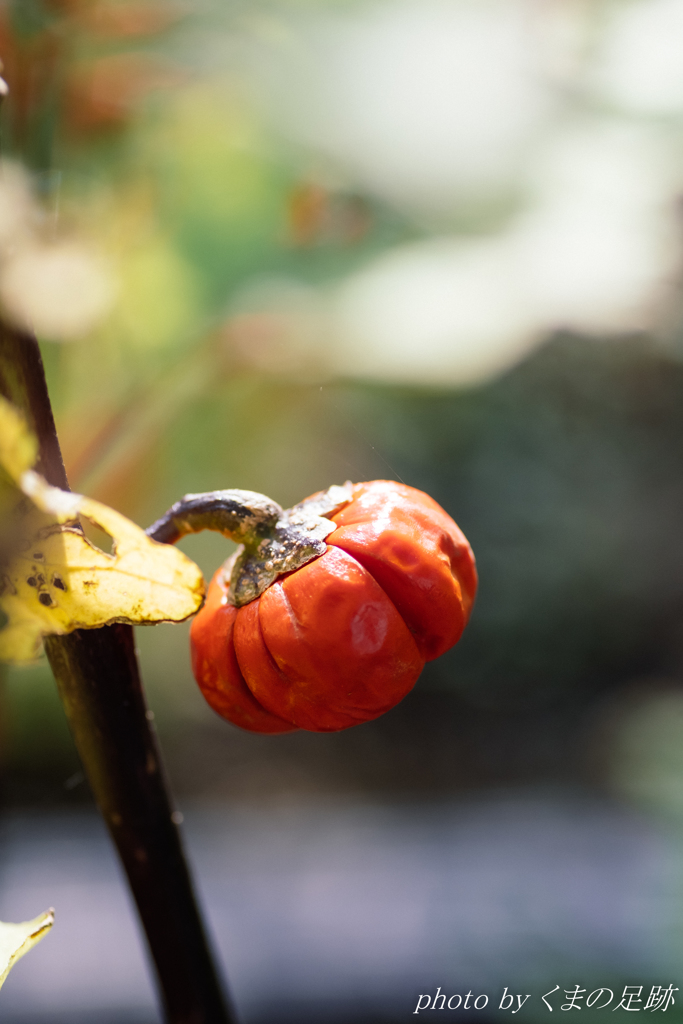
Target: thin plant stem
x=99 y=683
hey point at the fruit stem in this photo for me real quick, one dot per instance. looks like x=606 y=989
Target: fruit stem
x=243 y=516
x=273 y=541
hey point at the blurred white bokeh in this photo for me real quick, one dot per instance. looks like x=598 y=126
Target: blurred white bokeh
x=639 y=66
x=60 y=290
x=18 y=212
x=433 y=312
x=58 y=287
x=598 y=241
x=431 y=104
x=528 y=145
x=593 y=252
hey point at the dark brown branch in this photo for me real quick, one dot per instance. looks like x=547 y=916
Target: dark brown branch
x=22 y=381
x=99 y=682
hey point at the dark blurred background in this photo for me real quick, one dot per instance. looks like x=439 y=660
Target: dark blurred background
x=282 y=244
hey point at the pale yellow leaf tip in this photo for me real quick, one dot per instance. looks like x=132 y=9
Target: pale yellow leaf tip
x=18 y=939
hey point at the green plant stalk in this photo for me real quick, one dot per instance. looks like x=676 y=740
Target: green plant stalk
x=99 y=683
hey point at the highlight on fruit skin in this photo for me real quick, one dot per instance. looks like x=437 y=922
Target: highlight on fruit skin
x=343 y=638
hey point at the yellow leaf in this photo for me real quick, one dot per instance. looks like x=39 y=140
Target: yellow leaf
x=57 y=581
x=17 y=939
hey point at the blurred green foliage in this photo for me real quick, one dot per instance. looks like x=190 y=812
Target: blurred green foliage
x=565 y=474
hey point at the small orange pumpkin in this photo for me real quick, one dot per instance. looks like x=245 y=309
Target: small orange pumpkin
x=343 y=638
